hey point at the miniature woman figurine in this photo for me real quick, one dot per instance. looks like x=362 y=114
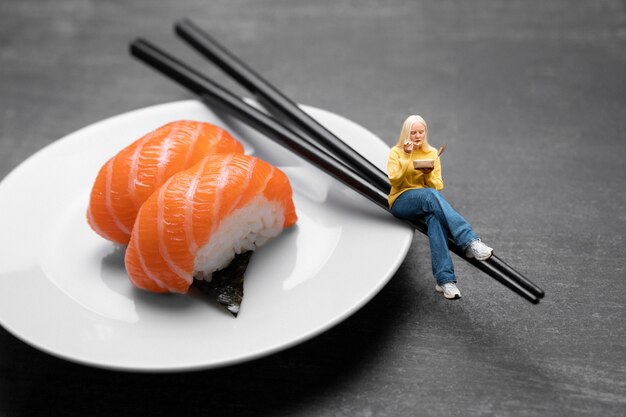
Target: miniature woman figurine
x=415 y=194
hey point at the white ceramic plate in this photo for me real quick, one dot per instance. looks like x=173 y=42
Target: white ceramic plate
x=64 y=290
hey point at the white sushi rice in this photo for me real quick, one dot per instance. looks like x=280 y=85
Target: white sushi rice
x=244 y=230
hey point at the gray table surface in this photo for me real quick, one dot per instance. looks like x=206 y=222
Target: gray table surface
x=530 y=98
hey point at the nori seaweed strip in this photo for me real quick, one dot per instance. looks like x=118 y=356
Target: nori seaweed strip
x=226 y=285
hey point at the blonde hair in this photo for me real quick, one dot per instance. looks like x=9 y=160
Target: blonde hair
x=405 y=133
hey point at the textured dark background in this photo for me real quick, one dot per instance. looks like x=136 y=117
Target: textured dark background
x=530 y=98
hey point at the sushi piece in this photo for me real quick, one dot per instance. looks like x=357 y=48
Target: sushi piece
x=131 y=176
x=201 y=218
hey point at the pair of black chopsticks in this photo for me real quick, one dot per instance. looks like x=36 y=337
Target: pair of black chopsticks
x=297 y=131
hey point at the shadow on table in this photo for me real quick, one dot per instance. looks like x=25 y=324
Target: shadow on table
x=307 y=377
x=33 y=383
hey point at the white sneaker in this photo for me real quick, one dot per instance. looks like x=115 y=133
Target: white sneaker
x=478 y=250
x=449 y=290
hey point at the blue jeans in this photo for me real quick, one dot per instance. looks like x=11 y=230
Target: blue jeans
x=430 y=205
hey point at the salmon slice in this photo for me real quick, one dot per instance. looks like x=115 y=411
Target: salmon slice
x=202 y=217
x=131 y=176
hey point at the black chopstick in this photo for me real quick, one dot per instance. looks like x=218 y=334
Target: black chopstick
x=212 y=93
x=503 y=267
x=277 y=103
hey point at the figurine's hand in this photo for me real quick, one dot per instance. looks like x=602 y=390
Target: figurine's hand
x=426 y=170
x=408 y=147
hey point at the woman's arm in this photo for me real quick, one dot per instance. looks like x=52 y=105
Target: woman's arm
x=433 y=179
x=396 y=167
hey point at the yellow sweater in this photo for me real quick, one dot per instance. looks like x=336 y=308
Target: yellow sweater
x=403 y=176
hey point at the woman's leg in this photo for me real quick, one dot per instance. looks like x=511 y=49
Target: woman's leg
x=460 y=230
x=443 y=269
x=414 y=204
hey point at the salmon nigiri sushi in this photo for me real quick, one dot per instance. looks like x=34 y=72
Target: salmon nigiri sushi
x=201 y=218
x=131 y=176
